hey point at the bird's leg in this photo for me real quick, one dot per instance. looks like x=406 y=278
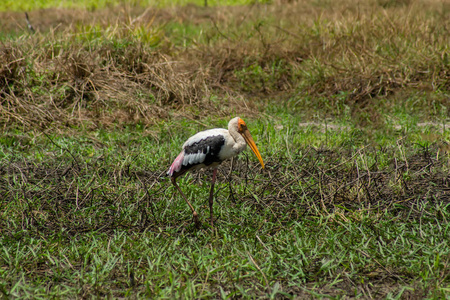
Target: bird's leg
x=211 y=194
x=194 y=213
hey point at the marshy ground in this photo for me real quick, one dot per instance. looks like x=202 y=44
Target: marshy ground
x=347 y=102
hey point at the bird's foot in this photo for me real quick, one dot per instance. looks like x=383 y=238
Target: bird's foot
x=196 y=220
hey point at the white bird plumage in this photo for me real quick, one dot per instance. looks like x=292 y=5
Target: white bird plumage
x=208 y=149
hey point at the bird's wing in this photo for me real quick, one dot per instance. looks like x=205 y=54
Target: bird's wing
x=204 y=147
x=202 y=135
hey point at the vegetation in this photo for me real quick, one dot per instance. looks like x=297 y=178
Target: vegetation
x=10 y=5
x=348 y=105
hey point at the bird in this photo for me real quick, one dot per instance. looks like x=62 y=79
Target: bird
x=208 y=149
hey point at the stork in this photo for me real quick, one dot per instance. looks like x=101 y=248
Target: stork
x=208 y=149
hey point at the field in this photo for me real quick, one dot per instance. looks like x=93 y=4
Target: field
x=349 y=106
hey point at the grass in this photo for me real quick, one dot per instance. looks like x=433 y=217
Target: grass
x=348 y=106
x=94 y=215
x=93 y=62
x=9 y=5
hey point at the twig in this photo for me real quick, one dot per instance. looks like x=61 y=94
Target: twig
x=141 y=16
x=64 y=149
x=286 y=31
x=76 y=198
x=229 y=180
x=265 y=247
x=259 y=269
x=390 y=273
x=30 y=27
x=148 y=196
x=218 y=30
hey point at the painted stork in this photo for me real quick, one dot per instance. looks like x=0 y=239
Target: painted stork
x=208 y=149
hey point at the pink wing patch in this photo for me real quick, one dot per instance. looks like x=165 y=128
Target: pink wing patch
x=176 y=165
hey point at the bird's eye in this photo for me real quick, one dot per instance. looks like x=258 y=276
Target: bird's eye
x=241 y=125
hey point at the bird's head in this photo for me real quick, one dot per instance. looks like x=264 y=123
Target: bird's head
x=241 y=126
x=243 y=130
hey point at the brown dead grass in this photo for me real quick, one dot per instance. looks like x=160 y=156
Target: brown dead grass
x=127 y=64
x=321 y=176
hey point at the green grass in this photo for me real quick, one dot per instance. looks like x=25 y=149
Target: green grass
x=349 y=110
x=10 y=5
x=89 y=214
x=237 y=261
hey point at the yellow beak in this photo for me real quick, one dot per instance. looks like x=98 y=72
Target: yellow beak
x=248 y=138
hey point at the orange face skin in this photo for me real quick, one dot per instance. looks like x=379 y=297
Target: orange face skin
x=243 y=130
x=241 y=126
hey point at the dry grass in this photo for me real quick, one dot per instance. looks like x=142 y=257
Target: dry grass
x=130 y=65
x=339 y=210
x=67 y=198
x=336 y=183
x=75 y=85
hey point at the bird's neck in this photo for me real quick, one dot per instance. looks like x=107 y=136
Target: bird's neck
x=240 y=144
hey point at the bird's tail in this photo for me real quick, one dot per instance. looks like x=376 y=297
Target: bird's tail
x=176 y=165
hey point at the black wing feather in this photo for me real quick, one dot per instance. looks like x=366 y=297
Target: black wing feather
x=215 y=144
